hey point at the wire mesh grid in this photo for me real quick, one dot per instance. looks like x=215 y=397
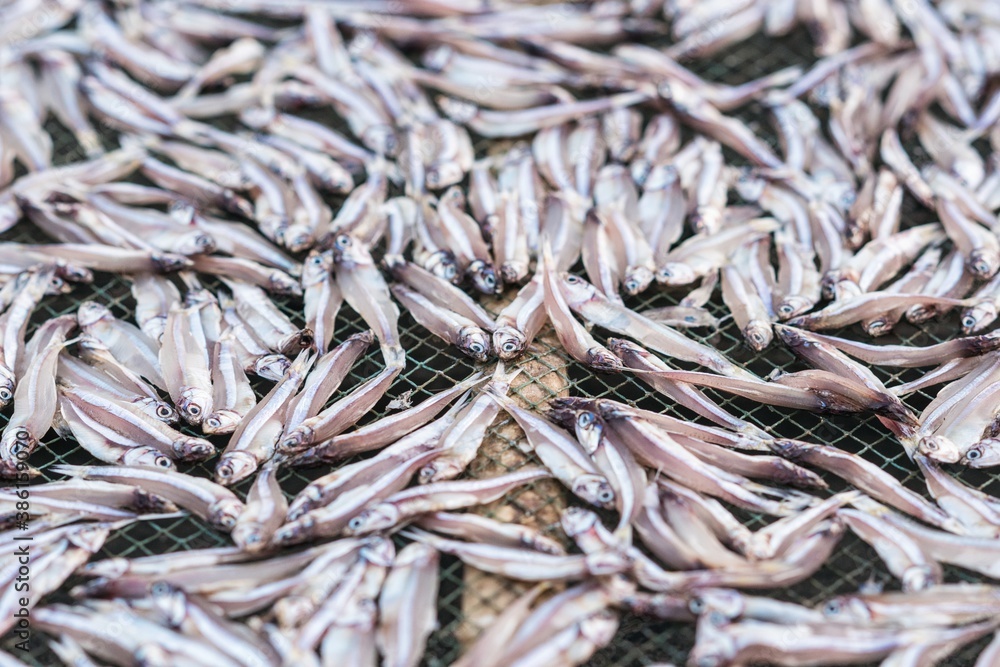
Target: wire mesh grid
x=547 y=372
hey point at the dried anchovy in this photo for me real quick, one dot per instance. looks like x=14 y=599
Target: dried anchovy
x=823 y=239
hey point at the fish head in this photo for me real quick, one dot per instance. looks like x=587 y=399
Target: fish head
x=75 y=274
x=603 y=361
x=458 y=111
x=294 y=532
x=382 y=139
x=474 y=342
x=380 y=517
x=725 y=602
x=439 y=470
x=293 y=610
x=224 y=513
x=7 y=384
x=194 y=404
x=595 y=489
x=484 y=277
x=193 y=449
x=296 y=440
x=983 y=263
x=919 y=578
x=512 y=272
x=577 y=291
x=90 y=313
x=57 y=285
x=443 y=265
x=939 y=448
x=675 y=273
x=983 y=454
x=221 y=422
x=279 y=282
x=169 y=601
x=194 y=243
x=636 y=279
x=235 y=466
x=168 y=262
x=147 y=456
x=294 y=342
x=299 y=237
x=508 y=343
x=316 y=268
x=879 y=326
x=144 y=501
x=715 y=651
x=577 y=521
x=234 y=203
x=16 y=444
x=847 y=609
x=444 y=174
x=249 y=537
x=379 y=551
x=347 y=250
x=589 y=428
x=271 y=367
x=793 y=305
x=978 y=317
x=758 y=335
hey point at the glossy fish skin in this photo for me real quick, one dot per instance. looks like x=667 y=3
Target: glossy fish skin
x=447 y=325
x=214 y=503
x=366 y=292
x=255 y=439
x=266 y=508
x=232 y=395
x=35 y=405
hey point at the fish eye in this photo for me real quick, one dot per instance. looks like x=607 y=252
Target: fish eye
x=832 y=608
x=696 y=606
x=5 y=394
x=193 y=410
x=585 y=419
x=355 y=523
x=476 y=348
x=510 y=346
x=163 y=462
x=203 y=241
x=606 y=496
x=573 y=280
x=316 y=260
x=252 y=538
x=931 y=445
x=343 y=241
x=164 y=412
x=974 y=454
x=968 y=322
x=449 y=272
x=160 y=588
x=489 y=280
x=213 y=422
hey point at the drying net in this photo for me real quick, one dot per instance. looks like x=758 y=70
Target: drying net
x=468 y=600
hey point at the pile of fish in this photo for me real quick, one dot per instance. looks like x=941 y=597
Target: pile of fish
x=233 y=156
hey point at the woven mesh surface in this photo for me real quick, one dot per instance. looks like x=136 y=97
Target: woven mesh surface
x=432 y=367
